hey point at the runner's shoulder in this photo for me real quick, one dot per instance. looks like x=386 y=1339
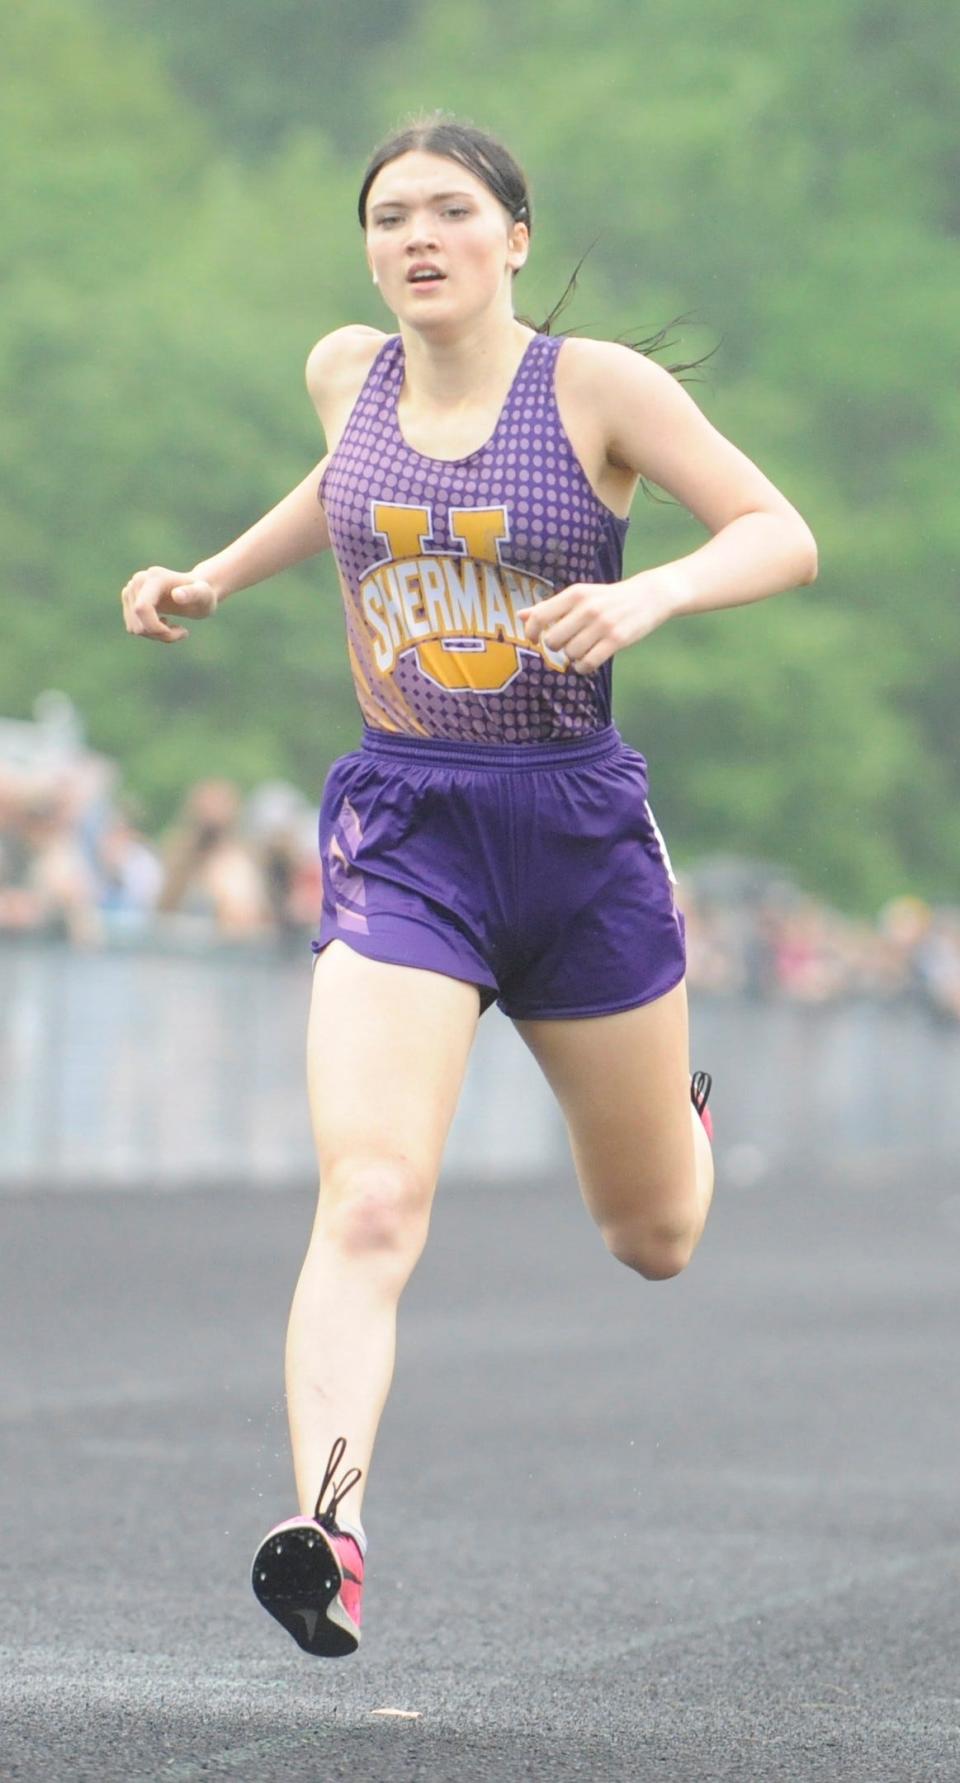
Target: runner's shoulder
x=339 y=362
x=590 y=361
x=615 y=391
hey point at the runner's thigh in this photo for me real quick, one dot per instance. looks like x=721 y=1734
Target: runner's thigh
x=623 y=1083
x=387 y=1047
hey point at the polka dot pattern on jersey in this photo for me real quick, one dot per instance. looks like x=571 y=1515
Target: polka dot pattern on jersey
x=435 y=556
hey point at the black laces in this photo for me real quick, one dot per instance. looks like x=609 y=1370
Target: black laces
x=328 y=1517
x=700 y=1085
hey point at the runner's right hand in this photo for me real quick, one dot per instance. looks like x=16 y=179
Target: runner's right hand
x=151 y=593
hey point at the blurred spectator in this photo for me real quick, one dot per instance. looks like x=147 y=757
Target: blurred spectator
x=749 y=930
x=940 y=962
x=211 y=872
x=282 y=827
x=809 y=954
x=710 y=959
x=46 y=885
x=926 y=946
x=130 y=873
x=75 y=864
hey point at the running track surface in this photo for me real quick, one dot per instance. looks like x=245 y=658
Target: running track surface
x=697 y=1529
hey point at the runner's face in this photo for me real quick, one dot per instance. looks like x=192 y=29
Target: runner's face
x=425 y=209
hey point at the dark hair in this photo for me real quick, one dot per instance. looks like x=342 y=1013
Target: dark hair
x=439 y=133
x=485 y=156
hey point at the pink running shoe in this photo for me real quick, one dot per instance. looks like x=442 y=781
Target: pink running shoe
x=309 y=1574
x=700 y=1086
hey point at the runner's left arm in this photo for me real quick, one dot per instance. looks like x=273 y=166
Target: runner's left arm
x=760 y=546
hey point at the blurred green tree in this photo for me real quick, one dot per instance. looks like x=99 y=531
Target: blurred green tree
x=179 y=228
x=261 y=73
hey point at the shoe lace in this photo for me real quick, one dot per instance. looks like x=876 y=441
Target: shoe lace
x=701 y=1084
x=338 y=1491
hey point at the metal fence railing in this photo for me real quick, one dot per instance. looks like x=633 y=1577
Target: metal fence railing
x=146 y=1064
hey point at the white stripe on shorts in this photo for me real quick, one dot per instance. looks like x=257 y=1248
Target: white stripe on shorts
x=671 y=875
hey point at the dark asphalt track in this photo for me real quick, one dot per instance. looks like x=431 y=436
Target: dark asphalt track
x=697 y=1529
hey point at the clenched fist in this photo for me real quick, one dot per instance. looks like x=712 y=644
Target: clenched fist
x=150 y=594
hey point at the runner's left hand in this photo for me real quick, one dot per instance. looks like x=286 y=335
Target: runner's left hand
x=590 y=621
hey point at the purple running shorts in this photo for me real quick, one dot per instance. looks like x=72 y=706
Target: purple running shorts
x=535 y=871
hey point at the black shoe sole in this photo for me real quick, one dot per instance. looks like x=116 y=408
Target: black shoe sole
x=297 y=1577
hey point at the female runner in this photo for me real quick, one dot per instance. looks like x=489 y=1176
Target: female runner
x=491 y=839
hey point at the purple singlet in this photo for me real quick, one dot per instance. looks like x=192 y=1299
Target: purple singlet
x=435 y=556
x=493 y=826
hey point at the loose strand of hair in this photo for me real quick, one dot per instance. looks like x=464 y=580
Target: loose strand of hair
x=649 y=345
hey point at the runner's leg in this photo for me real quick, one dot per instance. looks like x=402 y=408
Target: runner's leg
x=387 y=1048
x=643 y=1159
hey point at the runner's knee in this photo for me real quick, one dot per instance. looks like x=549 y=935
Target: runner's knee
x=375 y=1205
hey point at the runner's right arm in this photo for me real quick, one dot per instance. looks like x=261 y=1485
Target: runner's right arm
x=295 y=529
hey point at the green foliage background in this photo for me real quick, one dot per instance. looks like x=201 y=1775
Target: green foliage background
x=179 y=227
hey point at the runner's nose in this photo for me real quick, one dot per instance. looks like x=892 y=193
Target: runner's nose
x=422 y=239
